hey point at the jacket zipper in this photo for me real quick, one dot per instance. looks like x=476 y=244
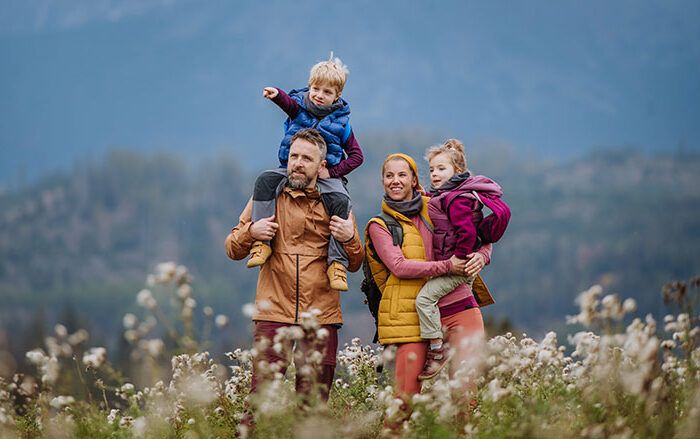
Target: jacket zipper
x=296 y=312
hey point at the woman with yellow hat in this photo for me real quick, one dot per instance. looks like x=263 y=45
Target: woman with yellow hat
x=400 y=272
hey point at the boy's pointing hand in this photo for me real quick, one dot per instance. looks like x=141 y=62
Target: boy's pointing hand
x=270 y=92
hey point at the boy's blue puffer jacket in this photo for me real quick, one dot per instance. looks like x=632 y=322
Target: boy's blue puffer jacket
x=334 y=128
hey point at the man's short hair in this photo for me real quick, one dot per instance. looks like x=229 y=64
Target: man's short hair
x=313 y=136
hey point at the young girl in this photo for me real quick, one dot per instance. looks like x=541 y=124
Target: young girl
x=455 y=208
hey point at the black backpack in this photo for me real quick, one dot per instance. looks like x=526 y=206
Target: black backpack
x=369 y=286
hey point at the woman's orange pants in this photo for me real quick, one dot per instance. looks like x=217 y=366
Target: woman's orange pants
x=457 y=328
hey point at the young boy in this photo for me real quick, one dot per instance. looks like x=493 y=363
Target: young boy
x=317 y=106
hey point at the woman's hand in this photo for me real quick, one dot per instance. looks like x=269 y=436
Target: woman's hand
x=270 y=92
x=342 y=229
x=458 y=265
x=475 y=262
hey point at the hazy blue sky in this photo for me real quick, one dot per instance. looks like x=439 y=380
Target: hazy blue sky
x=556 y=77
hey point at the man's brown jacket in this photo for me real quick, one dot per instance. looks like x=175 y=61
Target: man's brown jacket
x=294 y=279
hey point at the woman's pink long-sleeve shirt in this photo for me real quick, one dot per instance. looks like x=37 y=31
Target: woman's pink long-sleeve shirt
x=394 y=259
x=401 y=267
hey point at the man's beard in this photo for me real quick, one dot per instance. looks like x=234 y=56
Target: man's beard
x=298 y=182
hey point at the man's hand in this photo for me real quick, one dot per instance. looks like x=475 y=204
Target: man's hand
x=458 y=265
x=475 y=262
x=270 y=92
x=342 y=229
x=264 y=229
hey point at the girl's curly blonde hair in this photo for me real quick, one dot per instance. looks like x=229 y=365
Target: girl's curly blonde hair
x=454 y=150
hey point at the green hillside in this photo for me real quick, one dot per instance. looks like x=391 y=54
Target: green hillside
x=620 y=218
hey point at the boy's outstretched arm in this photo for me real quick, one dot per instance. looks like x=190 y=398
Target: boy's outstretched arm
x=282 y=99
x=353 y=160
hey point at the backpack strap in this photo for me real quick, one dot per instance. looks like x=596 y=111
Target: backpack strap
x=394 y=228
x=494 y=225
x=446 y=202
x=477 y=197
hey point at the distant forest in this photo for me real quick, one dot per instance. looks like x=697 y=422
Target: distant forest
x=78 y=245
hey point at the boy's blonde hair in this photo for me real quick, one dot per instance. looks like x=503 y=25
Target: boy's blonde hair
x=454 y=150
x=332 y=73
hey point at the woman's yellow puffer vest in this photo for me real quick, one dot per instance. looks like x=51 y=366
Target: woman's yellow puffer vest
x=398 y=320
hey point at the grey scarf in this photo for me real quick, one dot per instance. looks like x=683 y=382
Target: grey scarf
x=408 y=208
x=450 y=184
x=320 y=111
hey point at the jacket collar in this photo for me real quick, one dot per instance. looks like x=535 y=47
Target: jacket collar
x=309 y=193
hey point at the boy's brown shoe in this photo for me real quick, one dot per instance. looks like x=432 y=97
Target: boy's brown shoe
x=338 y=276
x=259 y=254
x=435 y=360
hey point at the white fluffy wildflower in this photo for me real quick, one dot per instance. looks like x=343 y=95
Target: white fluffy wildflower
x=294 y=333
x=588 y=301
x=629 y=305
x=78 y=337
x=221 y=321
x=127 y=388
x=199 y=389
x=275 y=397
x=58 y=347
x=95 y=357
x=140 y=426
x=129 y=321
x=153 y=347
x=306 y=370
x=125 y=391
x=145 y=299
x=112 y=416
x=182 y=275
x=263 y=305
x=668 y=344
x=126 y=422
x=190 y=303
x=61 y=331
x=388 y=354
x=165 y=272
x=496 y=392
x=37 y=357
x=195 y=377
x=184 y=291
x=249 y=309
x=61 y=401
x=50 y=371
x=131 y=335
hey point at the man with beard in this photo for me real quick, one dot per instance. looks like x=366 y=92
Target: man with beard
x=293 y=281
